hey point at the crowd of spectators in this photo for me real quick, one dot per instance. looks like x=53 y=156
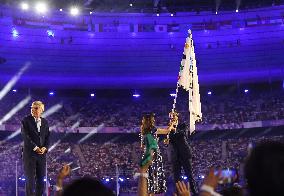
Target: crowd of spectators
x=223 y=111
x=105 y=160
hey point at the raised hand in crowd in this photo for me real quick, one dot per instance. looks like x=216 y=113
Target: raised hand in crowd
x=210 y=183
x=182 y=189
x=63 y=173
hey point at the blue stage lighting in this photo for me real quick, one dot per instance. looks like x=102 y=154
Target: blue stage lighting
x=107 y=179
x=51 y=93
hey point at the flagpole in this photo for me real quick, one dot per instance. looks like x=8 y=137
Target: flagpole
x=46 y=183
x=16 y=178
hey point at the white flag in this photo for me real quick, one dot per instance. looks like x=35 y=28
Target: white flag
x=188 y=79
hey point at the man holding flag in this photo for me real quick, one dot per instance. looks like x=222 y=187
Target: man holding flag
x=181 y=153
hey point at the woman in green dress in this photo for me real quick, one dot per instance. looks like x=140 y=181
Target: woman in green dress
x=149 y=141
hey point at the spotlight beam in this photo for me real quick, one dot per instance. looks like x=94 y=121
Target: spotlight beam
x=94 y=131
x=54 y=145
x=13 y=81
x=14 y=110
x=76 y=168
x=52 y=110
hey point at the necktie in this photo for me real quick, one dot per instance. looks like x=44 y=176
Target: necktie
x=38 y=124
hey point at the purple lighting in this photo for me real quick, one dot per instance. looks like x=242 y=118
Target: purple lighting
x=92 y=94
x=209 y=93
x=14 y=90
x=237 y=10
x=246 y=90
x=51 y=93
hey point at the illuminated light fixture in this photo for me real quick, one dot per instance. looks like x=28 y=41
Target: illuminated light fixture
x=237 y=10
x=173 y=94
x=92 y=94
x=158 y=14
x=136 y=95
x=74 y=11
x=209 y=93
x=14 y=90
x=60 y=10
x=172 y=14
x=130 y=4
x=51 y=93
x=15 y=33
x=91 y=13
x=216 y=12
x=41 y=7
x=246 y=90
x=50 y=33
x=24 y=6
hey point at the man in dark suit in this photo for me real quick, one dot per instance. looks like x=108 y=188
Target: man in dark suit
x=181 y=153
x=35 y=133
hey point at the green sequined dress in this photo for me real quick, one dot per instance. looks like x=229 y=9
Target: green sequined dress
x=156 y=179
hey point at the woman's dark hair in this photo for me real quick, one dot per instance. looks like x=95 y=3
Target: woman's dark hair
x=147 y=123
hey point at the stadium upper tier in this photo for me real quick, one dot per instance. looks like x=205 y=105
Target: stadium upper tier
x=115 y=50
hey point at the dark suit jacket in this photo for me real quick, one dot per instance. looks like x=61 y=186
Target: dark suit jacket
x=179 y=141
x=32 y=137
